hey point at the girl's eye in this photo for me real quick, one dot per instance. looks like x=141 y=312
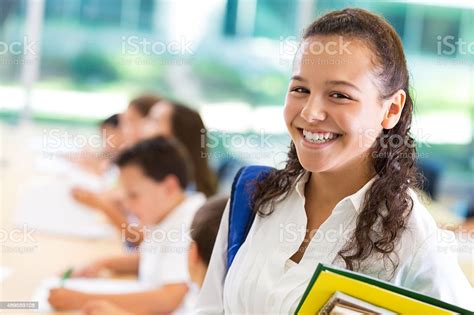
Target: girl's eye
x=339 y=96
x=299 y=89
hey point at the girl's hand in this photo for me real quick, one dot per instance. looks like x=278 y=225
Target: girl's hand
x=90 y=271
x=99 y=307
x=66 y=299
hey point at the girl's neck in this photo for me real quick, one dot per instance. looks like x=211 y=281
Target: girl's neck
x=328 y=188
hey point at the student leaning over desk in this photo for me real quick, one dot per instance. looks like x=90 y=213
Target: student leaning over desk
x=203 y=233
x=168 y=119
x=154 y=176
x=345 y=196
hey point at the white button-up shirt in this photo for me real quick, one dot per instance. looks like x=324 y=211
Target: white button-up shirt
x=263 y=279
x=164 y=250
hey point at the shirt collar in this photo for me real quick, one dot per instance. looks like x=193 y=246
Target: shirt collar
x=301 y=181
x=356 y=198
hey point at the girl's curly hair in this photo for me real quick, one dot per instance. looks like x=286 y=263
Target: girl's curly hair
x=387 y=203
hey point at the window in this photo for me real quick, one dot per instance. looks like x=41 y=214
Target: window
x=440 y=26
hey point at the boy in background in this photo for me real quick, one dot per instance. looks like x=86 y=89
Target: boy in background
x=153 y=174
x=203 y=236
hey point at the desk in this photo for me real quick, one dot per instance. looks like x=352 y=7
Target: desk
x=38 y=256
x=46 y=257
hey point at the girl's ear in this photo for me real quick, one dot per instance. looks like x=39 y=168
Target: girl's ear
x=394 y=106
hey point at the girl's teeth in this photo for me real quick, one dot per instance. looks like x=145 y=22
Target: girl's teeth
x=319 y=137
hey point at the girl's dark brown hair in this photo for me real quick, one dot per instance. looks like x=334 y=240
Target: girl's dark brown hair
x=376 y=230
x=143 y=104
x=188 y=128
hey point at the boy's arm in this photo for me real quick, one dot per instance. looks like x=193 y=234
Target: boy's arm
x=132 y=233
x=123 y=264
x=120 y=264
x=99 y=307
x=110 y=207
x=165 y=299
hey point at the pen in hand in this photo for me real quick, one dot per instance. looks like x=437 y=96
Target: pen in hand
x=67 y=274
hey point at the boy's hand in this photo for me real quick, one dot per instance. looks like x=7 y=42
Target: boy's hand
x=86 y=197
x=89 y=271
x=66 y=299
x=99 y=307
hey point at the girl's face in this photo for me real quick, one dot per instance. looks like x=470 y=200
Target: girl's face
x=158 y=122
x=114 y=138
x=333 y=112
x=131 y=123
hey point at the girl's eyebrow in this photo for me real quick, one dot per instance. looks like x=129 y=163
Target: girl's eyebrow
x=298 y=78
x=331 y=82
x=337 y=82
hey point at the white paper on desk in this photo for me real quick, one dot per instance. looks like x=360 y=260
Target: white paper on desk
x=46 y=204
x=69 y=173
x=104 y=286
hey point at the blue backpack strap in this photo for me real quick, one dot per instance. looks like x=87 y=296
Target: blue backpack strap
x=241 y=214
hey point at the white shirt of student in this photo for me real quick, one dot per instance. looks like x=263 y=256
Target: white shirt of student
x=188 y=305
x=263 y=279
x=164 y=249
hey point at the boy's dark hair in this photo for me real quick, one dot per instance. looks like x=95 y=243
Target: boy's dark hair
x=113 y=121
x=206 y=225
x=144 y=103
x=158 y=157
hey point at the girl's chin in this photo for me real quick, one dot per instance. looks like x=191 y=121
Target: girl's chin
x=315 y=165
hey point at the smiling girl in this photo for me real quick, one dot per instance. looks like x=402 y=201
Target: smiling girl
x=345 y=195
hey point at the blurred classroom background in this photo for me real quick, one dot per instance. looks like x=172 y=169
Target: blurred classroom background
x=229 y=59
x=66 y=65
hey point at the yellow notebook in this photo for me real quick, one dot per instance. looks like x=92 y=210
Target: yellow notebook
x=327 y=280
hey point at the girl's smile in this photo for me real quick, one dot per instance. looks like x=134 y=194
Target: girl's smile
x=317 y=139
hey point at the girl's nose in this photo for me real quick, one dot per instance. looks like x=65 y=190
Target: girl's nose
x=312 y=112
